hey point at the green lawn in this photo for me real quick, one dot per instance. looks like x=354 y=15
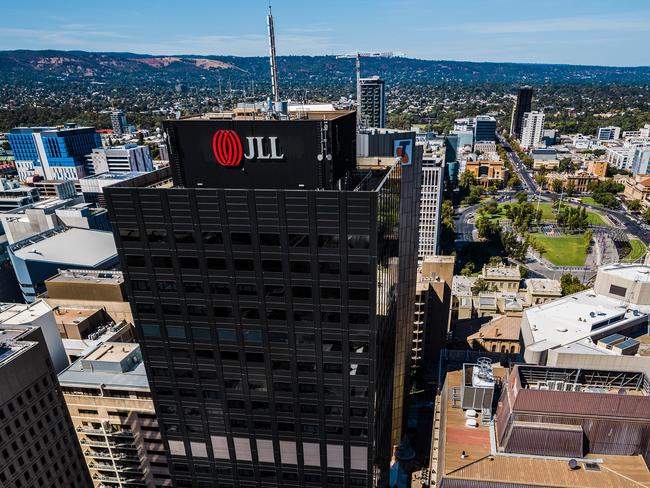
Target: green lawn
x=549 y=215
x=638 y=250
x=564 y=250
x=590 y=201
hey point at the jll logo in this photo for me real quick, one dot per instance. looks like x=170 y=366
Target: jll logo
x=228 y=150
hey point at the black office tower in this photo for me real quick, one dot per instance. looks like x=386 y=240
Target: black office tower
x=264 y=289
x=524 y=104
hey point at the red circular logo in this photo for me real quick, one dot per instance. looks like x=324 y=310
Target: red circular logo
x=227 y=148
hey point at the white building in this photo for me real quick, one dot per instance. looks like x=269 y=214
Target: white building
x=122 y=159
x=430 y=205
x=610 y=133
x=533 y=128
x=373 y=102
x=621 y=157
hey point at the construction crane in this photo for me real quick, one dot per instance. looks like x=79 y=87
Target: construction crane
x=275 y=89
x=357 y=56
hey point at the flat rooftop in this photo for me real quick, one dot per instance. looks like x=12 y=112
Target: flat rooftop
x=88 y=276
x=482 y=464
x=543 y=285
x=21 y=313
x=112 y=352
x=72 y=316
x=109 y=175
x=511 y=272
x=321 y=112
x=632 y=272
x=68 y=246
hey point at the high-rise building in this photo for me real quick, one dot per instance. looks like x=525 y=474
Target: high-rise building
x=38 y=446
x=123 y=159
x=265 y=292
x=532 y=129
x=524 y=104
x=485 y=128
x=433 y=178
x=119 y=123
x=373 y=102
x=53 y=153
x=108 y=397
x=610 y=133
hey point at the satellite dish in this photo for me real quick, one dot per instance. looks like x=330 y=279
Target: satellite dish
x=573 y=464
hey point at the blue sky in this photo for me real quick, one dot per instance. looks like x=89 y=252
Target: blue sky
x=547 y=31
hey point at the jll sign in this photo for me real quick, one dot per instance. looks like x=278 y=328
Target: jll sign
x=228 y=149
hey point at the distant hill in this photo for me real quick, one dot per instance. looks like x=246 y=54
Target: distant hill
x=26 y=67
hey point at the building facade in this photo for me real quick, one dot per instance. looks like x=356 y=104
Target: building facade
x=373 y=102
x=38 y=446
x=532 y=129
x=288 y=293
x=53 y=153
x=124 y=159
x=108 y=398
x=523 y=104
x=610 y=133
x=119 y=123
x=485 y=128
x=433 y=178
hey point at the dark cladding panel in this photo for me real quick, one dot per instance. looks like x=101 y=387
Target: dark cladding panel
x=261 y=154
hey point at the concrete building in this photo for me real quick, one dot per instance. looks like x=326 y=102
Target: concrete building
x=40 y=257
x=26 y=222
x=14 y=195
x=579 y=181
x=545 y=159
x=523 y=104
x=532 y=129
x=488 y=172
x=119 y=123
x=373 y=102
x=119 y=159
x=433 y=178
x=51 y=152
x=109 y=400
x=636 y=187
x=567 y=332
x=501 y=277
x=485 y=128
x=621 y=157
x=501 y=334
x=432 y=304
x=610 y=133
x=38 y=446
x=486 y=147
x=641 y=160
x=542 y=290
x=93 y=187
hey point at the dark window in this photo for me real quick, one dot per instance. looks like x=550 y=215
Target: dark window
x=151 y=330
x=286 y=427
x=188 y=262
x=176 y=332
x=358 y=242
x=216 y=263
x=140 y=285
x=135 y=261
x=260 y=406
x=358 y=294
x=204 y=353
x=332 y=317
x=207 y=375
x=300 y=267
x=358 y=269
x=281 y=386
x=298 y=240
x=232 y=384
x=276 y=314
x=305 y=338
x=130 y=235
x=254 y=357
x=184 y=236
x=328 y=240
x=358 y=369
x=193 y=287
x=312 y=478
x=236 y=404
x=358 y=432
x=229 y=356
x=156 y=235
x=249 y=313
x=358 y=318
x=358 y=346
x=328 y=293
x=272 y=265
x=227 y=335
x=301 y=291
x=200 y=333
x=303 y=316
x=269 y=239
x=308 y=409
x=244 y=265
x=326 y=267
x=280 y=365
x=211 y=395
x=358 y=391
x=331 y=346
x=358 y=412
x=307 y=389
x=240 y=238
x=246 y=290
x=306 y=366
x=161 y=261
x=145 y=307
x=257 y=385
x=210 y=237
x=252 y=337
x=171 y=308
x=310 y=428
x=196 y=310
x=617 y=290
x=279 y=337
x=239 y=424
x=274 y=290
x=222 y=312
x=166 y=285
x=220 y=288
x=334 y=412
x=332 y=368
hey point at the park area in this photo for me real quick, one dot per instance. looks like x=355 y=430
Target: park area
x=548 y=214
x=568 y=250
x=637 y=251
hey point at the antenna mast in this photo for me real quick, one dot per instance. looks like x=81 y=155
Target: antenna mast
x=274 y=66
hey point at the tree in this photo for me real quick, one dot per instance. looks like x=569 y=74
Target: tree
x=521 y=197
x=556 y=185
x=468 y=269
x=467 y=180
x=540 y=179
x=515 y=246
x=570 y=189
x=6 y=146
x=599 y=152
x=479 y=286
x=566 y=165
x=495 y=261
x=645 y=215
x=570 y=284
x=634 y=205
x=573 y=218
x=448 y=234
x=486 y=229
x=474 y=197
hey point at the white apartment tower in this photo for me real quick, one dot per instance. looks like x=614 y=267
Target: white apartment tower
x=533 y=128
x=430 y=206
